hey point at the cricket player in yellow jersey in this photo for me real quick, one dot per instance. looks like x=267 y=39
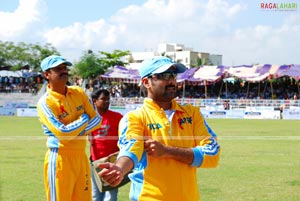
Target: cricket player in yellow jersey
x=67 y=116
x=163 y=142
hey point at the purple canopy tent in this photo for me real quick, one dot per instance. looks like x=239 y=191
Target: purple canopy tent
x=291 y=71
x=255 y=73
x=122 y=74
x=187 y=76
x=250 y=73
x=209 y=74
x=279 y=70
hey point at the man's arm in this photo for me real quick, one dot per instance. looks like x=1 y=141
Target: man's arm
x=90 y=109
x=194 y=156
x=157 y=149
x=113 y=173
x=48 y=119
x=205 y=154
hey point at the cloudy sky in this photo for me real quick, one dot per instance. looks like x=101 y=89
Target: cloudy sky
x=240 y=30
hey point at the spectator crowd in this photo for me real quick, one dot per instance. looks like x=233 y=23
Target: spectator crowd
x=282 y=88
x=20 y=84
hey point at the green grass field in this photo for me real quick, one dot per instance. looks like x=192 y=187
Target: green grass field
x=260 y=160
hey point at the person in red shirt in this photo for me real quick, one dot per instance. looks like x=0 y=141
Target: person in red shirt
x=104 y=140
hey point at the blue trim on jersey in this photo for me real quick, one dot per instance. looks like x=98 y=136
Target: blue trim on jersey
x=52 y=173
x=129 y=155
x=137 y=183
x=60 y=126
x=210 y=131
x=198 y=156
x=93 y=122
x=52 y=142
x=137 y=177
x=212 y=148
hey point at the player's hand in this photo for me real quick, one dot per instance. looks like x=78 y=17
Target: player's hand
x=154 y=148
x=111 y=174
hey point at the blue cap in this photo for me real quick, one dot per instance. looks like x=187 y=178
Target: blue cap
x=159 y=64
x=53 y=61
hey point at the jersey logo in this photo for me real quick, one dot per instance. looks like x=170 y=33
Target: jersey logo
x=154 y=126
x=64 y=113
x=80 y=107
x=184 y=120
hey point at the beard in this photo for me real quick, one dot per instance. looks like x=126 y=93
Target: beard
x=170 y=91
x=162 y=93
x=165 y=94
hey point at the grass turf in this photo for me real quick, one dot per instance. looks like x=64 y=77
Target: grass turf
x=259 y=161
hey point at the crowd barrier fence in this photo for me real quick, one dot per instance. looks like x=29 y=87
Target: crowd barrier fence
x=210 y=108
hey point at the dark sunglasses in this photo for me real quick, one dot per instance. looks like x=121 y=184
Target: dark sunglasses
x=164 y=76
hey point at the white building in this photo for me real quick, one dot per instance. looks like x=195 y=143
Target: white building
x=178 y=53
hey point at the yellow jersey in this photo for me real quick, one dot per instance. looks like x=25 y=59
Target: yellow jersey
x=67 y=118
x=164 y=178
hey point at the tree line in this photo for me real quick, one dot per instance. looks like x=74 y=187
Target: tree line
x=91 y=64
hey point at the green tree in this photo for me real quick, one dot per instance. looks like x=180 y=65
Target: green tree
x=199 y=62
x=91 y=65
x=38 y=53
x=113 y=59
x=22 y=54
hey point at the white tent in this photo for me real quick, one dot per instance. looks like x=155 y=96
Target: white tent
x=7 y=73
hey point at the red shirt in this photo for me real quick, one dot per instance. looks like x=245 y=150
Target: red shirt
x=104 y=140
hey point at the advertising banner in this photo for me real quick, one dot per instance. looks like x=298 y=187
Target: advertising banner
x=27 y=112
x=7 y=111
x=15 y=105
x=292 y=113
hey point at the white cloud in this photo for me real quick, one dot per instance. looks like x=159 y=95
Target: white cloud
x=207 y=26
x=264 y=44
x=216 y=12
x=18 y=23
x=76 y=35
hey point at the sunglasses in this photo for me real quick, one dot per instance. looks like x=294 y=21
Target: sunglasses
x=164 y=76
